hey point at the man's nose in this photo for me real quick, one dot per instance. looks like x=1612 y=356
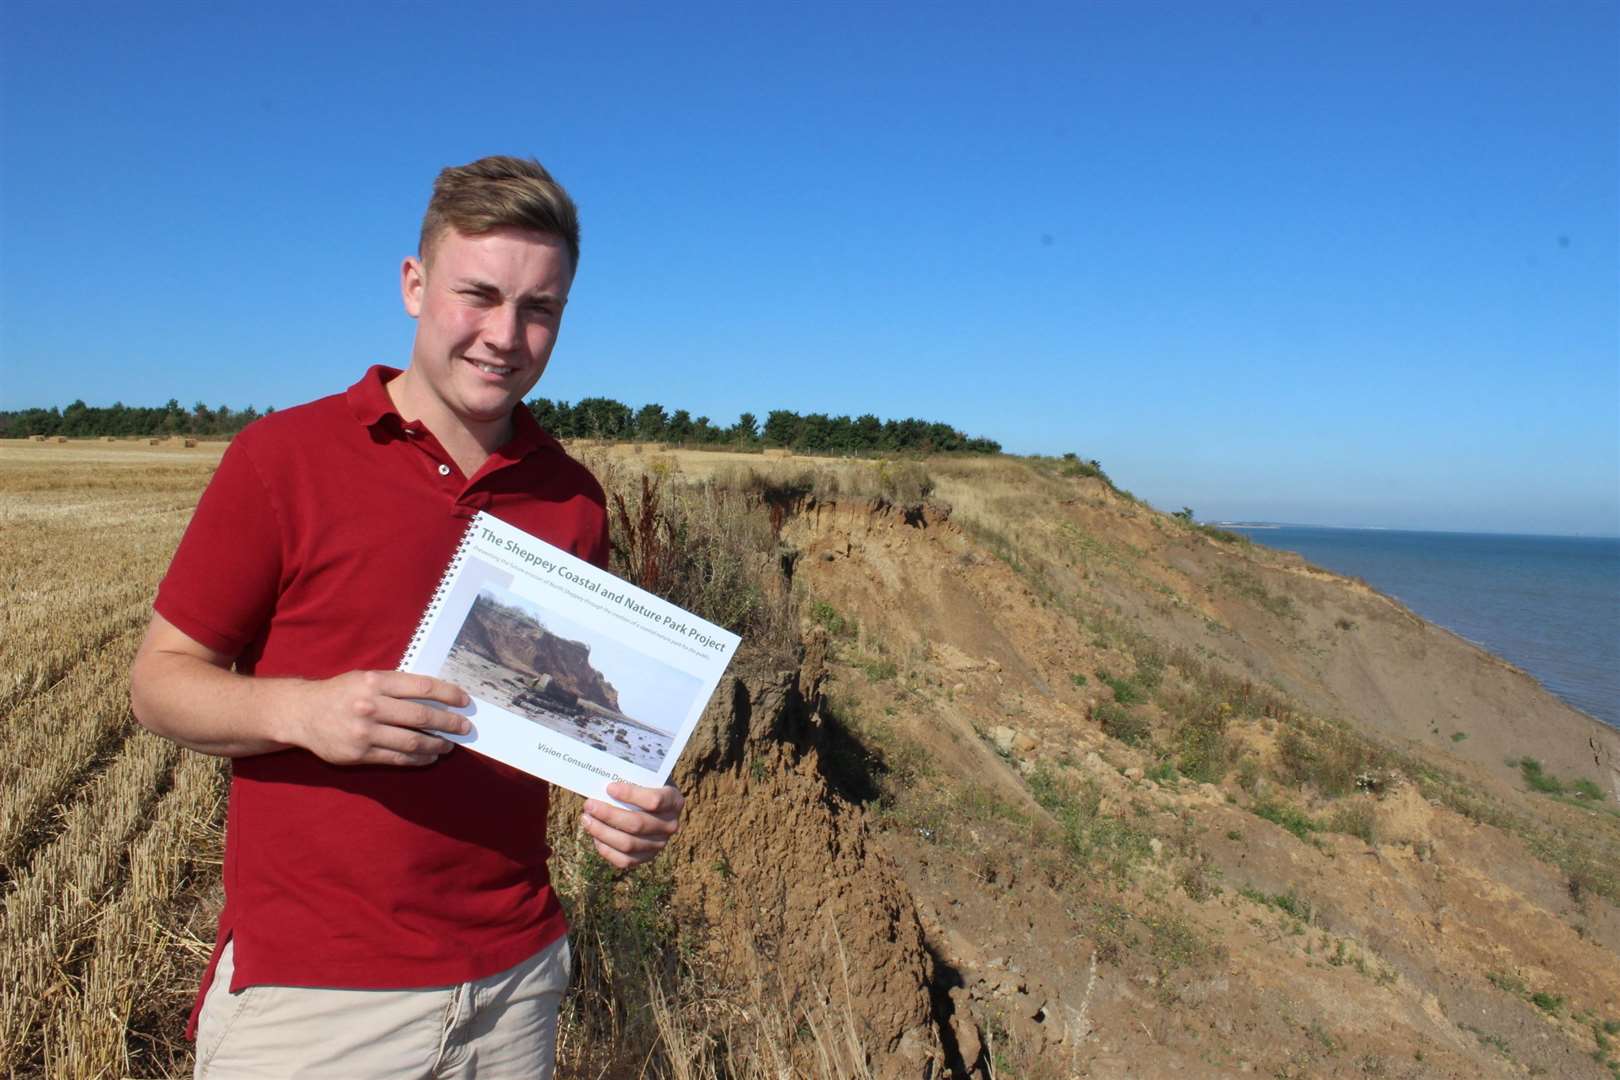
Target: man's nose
x=503 y=327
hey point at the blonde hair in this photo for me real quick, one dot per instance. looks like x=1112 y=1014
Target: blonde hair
x=496 y=192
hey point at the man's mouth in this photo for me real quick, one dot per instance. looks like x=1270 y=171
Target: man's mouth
x=492 y=369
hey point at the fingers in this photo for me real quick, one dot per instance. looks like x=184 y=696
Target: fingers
x=619 y=859
x=396 y=698
x=377 y=756
x=663 y=801
x=628 y=836
x=408 y=743
x=403 y=684
x=621 y=848
x=632 y=823
x=399 y=713
x=374 y=718
x=636 y=822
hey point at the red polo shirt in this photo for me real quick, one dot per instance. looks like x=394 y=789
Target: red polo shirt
x=312 y=553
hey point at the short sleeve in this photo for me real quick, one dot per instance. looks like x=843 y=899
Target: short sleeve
x=222 y=584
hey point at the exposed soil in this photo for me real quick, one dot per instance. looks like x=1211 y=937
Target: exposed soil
x=889 y=820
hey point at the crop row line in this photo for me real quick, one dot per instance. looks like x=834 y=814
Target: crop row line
x=47 y=663
x=52 y=905
x=55 y=741
x=134 y=957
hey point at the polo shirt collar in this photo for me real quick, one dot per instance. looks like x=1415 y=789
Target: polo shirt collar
x=369 y=402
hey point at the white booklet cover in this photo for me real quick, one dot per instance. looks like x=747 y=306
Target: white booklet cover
x=576 y=676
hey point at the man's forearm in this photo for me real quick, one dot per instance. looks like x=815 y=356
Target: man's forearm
x=207 y=708
x=182 y=690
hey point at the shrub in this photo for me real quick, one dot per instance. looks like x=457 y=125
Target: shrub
x=1333 y=760
x=1194 y=881
x=1248 y=776
x=1074 y=467
x=825 y=615
x=767 y=483
x=879 y=668
x=1537 y=780
x=619 y=923
x=1225 y=536
x=1290 y=902
x=1119 y=722
x=1205 y=751
x=1088 y=838
x=706 y=549
x=1546 y=1002
x=1585 y=789
x=1294 y=904
x=1162 y=773
x=1149 y=670
x=1502 y=980
x=1355 y=819
x=903 y=481
x=1126 y=692
x=1291 y=818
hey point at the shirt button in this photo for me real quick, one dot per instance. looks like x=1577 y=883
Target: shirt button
x=444 y=470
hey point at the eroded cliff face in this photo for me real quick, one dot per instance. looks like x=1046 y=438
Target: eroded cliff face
x=1004 y=887
x=1434 y=940
x=793 y=895
x=514 y=640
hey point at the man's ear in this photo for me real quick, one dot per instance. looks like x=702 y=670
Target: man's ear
x=412 y=280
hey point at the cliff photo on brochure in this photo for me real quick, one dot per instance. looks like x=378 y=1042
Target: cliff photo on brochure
x=576 y=676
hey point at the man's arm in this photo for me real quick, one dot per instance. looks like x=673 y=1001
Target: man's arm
x=185 y=691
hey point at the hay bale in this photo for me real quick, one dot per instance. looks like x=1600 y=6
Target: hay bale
x=36 y=438
x=61 y=438
x=189 y=443
x=153 y=442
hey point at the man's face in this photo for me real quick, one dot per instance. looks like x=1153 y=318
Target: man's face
x=488 y=308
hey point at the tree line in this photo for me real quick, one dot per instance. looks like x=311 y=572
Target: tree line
x=605 y=418
x=588 y=418
x=81 y=420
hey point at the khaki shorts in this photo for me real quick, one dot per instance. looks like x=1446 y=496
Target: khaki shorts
x=499 y=1027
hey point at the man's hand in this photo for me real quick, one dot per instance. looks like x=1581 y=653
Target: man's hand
x=370 y=718
x=185 y=691
x=628 y=838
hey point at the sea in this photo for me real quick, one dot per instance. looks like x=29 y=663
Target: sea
x=1548 y=604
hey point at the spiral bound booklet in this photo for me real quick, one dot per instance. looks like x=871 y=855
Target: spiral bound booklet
x=576 y=676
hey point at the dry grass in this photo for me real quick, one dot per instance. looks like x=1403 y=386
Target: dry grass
x=710 y=549
x=103 y=828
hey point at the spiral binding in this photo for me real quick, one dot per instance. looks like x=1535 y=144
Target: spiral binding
x=439 y=594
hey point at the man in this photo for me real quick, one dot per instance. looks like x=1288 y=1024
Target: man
x=387 y=907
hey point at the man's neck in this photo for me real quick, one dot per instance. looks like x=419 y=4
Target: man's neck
x=469 y=445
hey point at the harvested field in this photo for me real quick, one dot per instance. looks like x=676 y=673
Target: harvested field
x=108 y=836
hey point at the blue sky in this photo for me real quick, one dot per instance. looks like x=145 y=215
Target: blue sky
x=1335 y=263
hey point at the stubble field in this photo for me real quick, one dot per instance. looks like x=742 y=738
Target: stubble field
x=109 y=836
